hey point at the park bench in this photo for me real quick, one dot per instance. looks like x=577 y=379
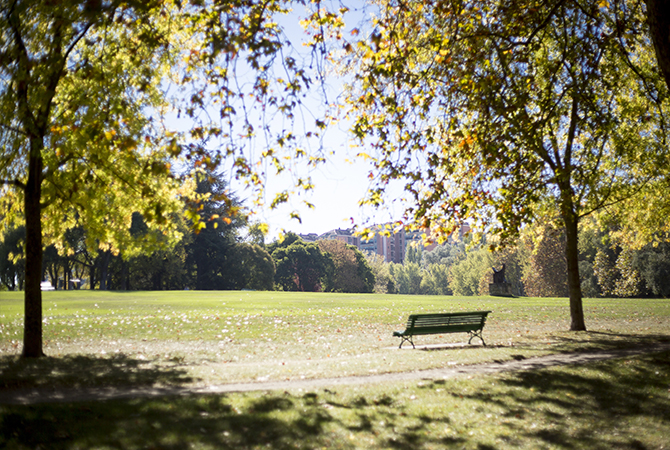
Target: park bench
x=442 y=323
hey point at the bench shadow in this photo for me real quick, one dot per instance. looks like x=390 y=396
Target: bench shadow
x=450 y=346
x=79 y=371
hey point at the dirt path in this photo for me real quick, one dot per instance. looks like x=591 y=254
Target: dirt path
x=35 y=396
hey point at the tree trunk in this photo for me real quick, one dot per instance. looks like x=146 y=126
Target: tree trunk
x=124 y=275
x=574 y=281
x=104 y=269
x=32 y=332
x=658 y=19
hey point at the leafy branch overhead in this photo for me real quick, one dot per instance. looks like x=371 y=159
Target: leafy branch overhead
x=490 y=112
x=90 y=96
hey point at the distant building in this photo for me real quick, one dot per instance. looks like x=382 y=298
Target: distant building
x=346 y=236
x=310 y=237
x=391 y=248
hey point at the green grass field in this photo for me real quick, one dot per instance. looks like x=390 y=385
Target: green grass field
x=203 y=338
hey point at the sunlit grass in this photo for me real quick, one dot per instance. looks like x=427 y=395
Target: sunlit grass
x=221 y=337
x=100 y=339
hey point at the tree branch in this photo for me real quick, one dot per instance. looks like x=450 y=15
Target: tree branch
x=14 y=182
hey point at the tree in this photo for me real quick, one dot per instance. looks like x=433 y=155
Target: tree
x=436 y=280
x=351 y=272
x=381 y=270
x=219 y=218
x=407 y=277
x=84 y=87
x=301 y=266
x=490 y=112
x=159 y=267
x=12 y=259
x=253 y=267
x=446 y=254
x=75 y=131
x=465 y=277
x=546 y=272
x=653 y=263
x=658 y=19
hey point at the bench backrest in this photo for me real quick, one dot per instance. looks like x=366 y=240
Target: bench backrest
x=466 y=321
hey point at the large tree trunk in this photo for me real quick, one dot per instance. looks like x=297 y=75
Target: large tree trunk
x=658 y=19
x=32 y=332
x=574 y=281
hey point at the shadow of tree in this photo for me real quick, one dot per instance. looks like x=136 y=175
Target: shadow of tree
x=595 y=406
x=591 y=406
x=86 y=371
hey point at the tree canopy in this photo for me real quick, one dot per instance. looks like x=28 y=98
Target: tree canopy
x=301 y=266
x=86 y=93
x=493 y=114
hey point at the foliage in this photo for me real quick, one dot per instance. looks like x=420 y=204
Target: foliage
x=546 y=273
x=445 y=254
x=381 y=270
x=466 y=276
x=629 y=272
x=351 y=271
x=407 y=277
x=489 y=112
x=218 y=215
x=12 y=258
x=436 y=280
x=301 y=266
x=162 y=269
x=252 y=266
x=79 y=83
x=414 y=254
x=653 y=264
x=256 y=233
x=88 y=89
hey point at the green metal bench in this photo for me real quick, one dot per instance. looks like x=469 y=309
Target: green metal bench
x=463 y=322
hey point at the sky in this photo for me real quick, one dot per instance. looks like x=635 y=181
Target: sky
x=340 y=183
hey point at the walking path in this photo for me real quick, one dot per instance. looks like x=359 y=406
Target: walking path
x=34 y=396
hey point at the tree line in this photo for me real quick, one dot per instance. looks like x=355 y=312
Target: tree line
x=534 y=266
x=227 y=253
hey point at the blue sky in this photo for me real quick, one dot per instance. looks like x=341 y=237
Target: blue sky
x=340 y=183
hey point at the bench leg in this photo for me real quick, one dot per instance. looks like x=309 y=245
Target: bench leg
x=474 y=334
x=406 y=339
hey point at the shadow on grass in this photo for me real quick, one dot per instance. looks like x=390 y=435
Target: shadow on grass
x=620 y=403
x=271 y=420
x=598 y=340
x=617 y=404
x=85 y=371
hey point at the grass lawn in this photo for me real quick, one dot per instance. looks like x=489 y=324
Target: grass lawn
x=202 y=338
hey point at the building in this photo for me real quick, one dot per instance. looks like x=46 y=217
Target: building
x=391 y=248
x=346 y=236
